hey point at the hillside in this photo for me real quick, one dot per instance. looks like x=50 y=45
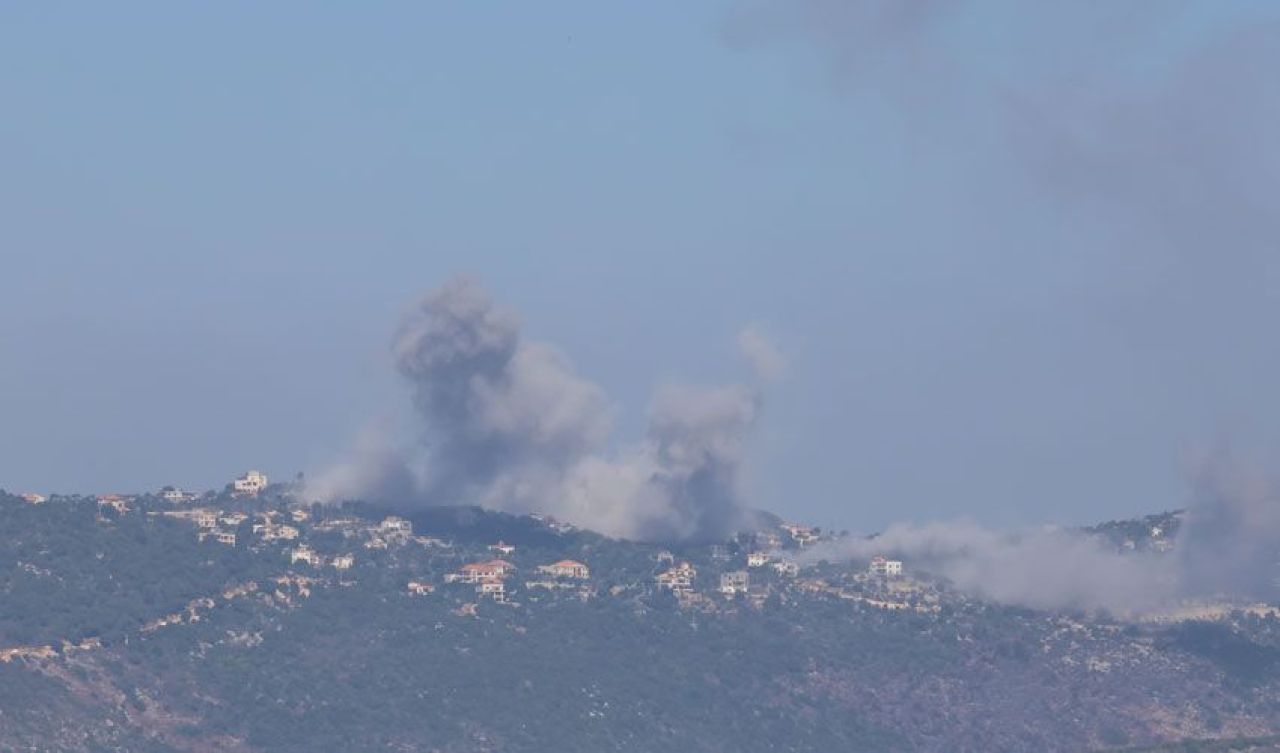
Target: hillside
x=351 y=629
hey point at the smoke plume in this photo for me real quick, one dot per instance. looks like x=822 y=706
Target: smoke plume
x=1049 y=568
x=1230 y=541
x=507 y=424
x=1228 y=546
x=1139 y=129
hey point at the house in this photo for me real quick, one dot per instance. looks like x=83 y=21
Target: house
x=419 y=588
x=233 y=518
x=299 y=515
x=392 y=526
x=476 y=572
x=885 y=567
x=344 y=561
x=757 y=559
x=222 y=537
x=115 y=501
x=32 y=498
x=304 y=553
x=502 y=548
x=734 y=583
x=679 y=579
x=207 y=518
x=566 y=569
x=273 y=532
x=665 y=557
x=493 y=588
x=175 y=495
x=802 y=535
x=375 y=543
x=786 y=567
x=250 y=484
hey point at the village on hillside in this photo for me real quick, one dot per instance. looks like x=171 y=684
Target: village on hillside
x=333 y=546
x=146 y=594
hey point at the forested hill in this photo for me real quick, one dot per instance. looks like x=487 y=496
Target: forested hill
x=249 y=624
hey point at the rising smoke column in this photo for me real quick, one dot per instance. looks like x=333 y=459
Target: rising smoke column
x=506 y=423
x=499 y=415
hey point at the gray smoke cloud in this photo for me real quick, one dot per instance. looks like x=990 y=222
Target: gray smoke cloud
x=1230 y=540
x=1049 y=568
x=1154 y=143
x=1227 y=547
x=1093 y=107
x=506 y=423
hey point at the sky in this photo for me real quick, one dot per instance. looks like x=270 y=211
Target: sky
x=1021 y=259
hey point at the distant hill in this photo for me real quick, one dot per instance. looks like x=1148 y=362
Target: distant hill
x=122 y=630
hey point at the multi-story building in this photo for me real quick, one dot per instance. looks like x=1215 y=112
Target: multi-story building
x=885 y=567
x=250 y=484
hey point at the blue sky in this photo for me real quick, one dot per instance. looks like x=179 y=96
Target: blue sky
x=1021 y=260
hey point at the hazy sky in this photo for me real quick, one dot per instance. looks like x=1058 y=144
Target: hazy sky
x=1022 y=261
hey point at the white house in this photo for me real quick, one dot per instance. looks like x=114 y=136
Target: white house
x=273 y=532
x=250 y=484
x=233 y=518
x=787 y=567
x=886 y=567
x=393 y=526
x=115 y=501
x=305 y=554
x=492 y=587
x=802 y=535
x=175 y=495
x=503 y=548
x=757 y=559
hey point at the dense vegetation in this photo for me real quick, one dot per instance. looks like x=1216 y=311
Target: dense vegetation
x=349 y=661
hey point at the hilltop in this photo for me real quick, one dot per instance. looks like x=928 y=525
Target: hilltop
x=244 y=621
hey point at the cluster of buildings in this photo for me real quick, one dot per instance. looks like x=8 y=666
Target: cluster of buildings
x=304 y=553
x=490 y=576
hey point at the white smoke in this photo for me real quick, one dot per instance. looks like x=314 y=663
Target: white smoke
x=507 y=424
x=1048 y=568
x=765 y=358
x=1228 y=546
x=1230 y=541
